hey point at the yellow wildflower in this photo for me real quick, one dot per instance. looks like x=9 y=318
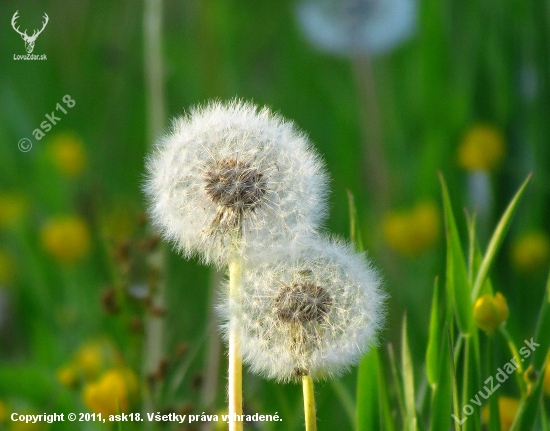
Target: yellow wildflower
x=94 y=357
x=67 y=376
x=112 y=392
x=12 y=209
x=66 y=239
x=490 y=312
x=482 y=149
x=507 y=409
x=531 y=252
x=67 y=154
x=412 y=231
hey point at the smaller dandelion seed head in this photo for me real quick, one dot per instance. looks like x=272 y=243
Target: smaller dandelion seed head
x=314 y=309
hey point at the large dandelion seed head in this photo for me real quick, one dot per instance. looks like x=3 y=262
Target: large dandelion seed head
x=234 y=178
x=315 y=310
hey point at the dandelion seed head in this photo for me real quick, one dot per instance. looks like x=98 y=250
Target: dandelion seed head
x=228 y=171
x=356 y=26
x=312 y=310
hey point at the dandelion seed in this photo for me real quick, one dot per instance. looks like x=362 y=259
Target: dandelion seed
x=312 y=311
x=234 y=177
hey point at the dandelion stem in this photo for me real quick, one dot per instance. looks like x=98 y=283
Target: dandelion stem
x=309 y=403
x=156 y=117
x=235 y=361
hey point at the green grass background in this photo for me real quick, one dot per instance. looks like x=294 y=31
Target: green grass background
x=464 y=64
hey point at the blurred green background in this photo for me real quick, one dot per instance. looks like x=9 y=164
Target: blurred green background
x=466 y=93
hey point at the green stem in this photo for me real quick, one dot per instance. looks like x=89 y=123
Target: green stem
x=515 y=354
x=156 y=117
x=235 y=388
x=309 y=403
x=494 y=416
x=466 y=374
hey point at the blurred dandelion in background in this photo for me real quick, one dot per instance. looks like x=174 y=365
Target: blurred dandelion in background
x=412 y=231
x=357 y=26
x=67 y=153
x=67 y=239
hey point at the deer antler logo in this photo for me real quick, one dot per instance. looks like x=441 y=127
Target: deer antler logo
x=29 y=40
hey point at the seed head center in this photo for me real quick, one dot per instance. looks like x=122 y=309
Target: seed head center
x=235 y=185
x=302 y=303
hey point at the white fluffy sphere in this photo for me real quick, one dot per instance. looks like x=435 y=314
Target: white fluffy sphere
x=314 y=310
x=232 y=178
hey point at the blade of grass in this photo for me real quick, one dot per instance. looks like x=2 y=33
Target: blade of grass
x=494 y=415
x=432 y=352
x=397 y=381
x=441 y=406
x=527 y=413
x=456 y=407
x=457 y=277
x=408 y=380
x=355 y=232
x=368 y=415
x=518 y=360
x=496 y=240
x=543 y=329
x=346 y=400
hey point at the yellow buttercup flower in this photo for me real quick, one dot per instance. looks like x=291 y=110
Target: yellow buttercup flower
x=412 y=231
x=490 y=312
x=531 y=252
x=94 y=357
x=114 y=391
x=13 y=207
x=68 y=154
x=507 y=409
x=482 y=149
x=67 y=239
